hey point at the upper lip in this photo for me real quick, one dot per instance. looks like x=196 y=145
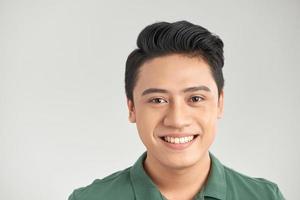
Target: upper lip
x=178 y=134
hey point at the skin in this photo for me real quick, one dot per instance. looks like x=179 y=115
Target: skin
x=174 y=109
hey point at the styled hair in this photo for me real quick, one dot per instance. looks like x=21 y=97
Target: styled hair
x=181 y=37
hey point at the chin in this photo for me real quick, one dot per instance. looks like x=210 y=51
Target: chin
x=181 y=162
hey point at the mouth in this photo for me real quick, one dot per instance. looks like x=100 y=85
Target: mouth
x=179 y=140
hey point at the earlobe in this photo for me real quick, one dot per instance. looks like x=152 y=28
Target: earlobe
x=131 y=111
x=131 y=117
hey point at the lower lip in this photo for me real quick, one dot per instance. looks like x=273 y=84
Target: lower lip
x=179 y=146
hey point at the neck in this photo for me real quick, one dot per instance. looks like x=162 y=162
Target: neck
x=174 y=183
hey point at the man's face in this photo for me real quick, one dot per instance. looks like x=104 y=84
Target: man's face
x=176 y=107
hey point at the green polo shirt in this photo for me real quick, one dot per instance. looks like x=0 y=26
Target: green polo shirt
x=134 y=184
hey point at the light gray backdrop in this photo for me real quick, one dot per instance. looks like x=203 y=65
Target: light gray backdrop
x=63 y=117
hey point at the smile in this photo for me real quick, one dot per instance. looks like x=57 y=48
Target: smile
x=178 y=140
x=178 y=143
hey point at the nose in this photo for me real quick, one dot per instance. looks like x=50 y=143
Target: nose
x=177 y=116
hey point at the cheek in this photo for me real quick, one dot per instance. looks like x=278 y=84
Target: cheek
x=208 y=118
x=147 y=120
x=207 y=123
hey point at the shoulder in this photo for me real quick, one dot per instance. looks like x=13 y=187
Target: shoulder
x=114 y=186
x=260 y=188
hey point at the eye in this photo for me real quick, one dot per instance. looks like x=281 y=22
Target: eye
x=196 y=99
x=157 y=100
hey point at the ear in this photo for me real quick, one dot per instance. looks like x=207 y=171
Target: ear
x=131 y=110
x=221 y=105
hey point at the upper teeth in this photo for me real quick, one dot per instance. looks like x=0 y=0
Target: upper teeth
x=178 y=140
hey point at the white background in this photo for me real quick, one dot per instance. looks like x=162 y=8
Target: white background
x=63 y=117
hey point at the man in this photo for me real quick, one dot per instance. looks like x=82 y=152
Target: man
x=174 y=87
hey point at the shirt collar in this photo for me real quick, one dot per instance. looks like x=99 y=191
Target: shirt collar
x=145 y=189
x=143 y=186
x=216 y=183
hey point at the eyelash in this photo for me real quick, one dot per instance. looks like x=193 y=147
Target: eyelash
x=157 y=98
x=154 y=99
x=198 y=97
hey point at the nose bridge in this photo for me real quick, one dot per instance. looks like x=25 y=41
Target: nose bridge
x=177 y=115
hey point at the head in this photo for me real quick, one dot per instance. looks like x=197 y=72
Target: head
x=174 y=88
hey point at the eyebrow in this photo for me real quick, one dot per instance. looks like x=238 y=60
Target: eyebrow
x=189 y=89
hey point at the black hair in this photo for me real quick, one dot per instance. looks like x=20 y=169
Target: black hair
x=182 y=37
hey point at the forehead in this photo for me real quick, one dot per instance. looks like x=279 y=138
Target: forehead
x=174 y=72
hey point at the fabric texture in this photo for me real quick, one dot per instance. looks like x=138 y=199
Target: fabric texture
x=223 y=183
